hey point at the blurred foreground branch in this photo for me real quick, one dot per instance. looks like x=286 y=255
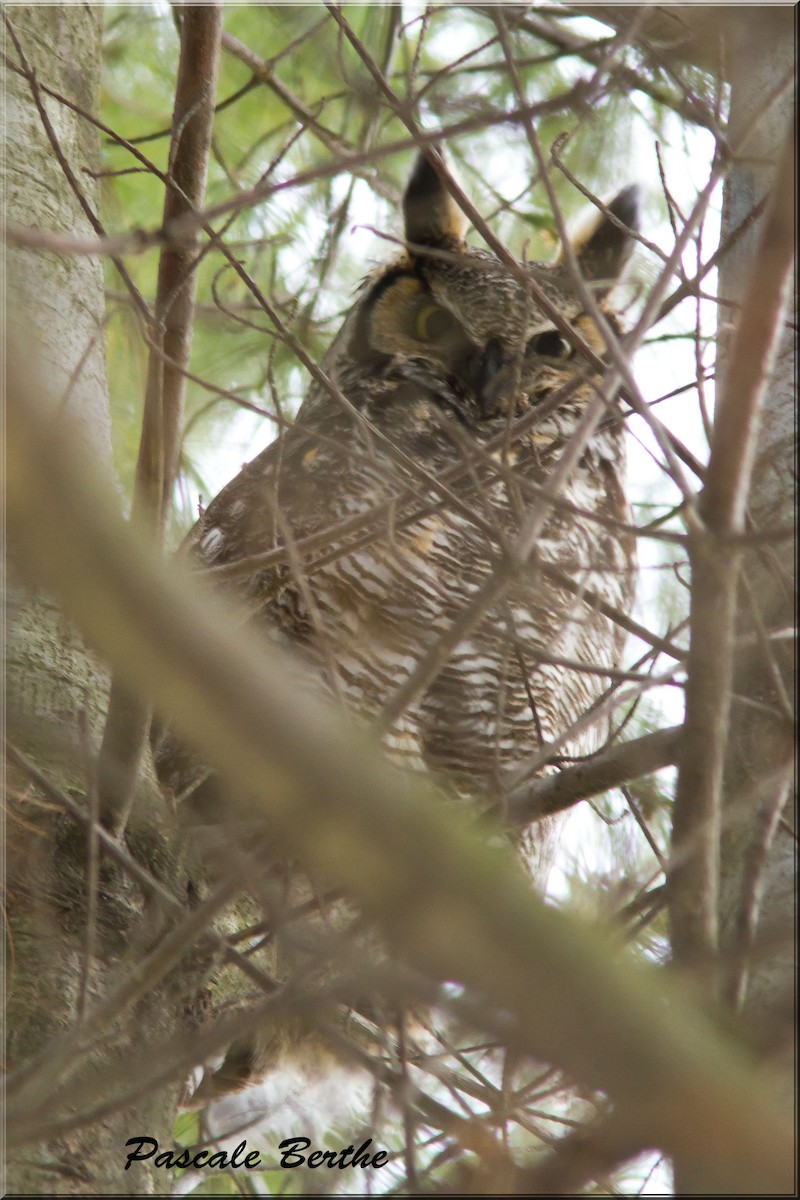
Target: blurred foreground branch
x=455 y=907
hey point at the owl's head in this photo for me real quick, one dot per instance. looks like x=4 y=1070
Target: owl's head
x=462 y=323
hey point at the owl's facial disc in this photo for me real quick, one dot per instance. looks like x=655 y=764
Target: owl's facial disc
x=402 y=321
x=405 y=320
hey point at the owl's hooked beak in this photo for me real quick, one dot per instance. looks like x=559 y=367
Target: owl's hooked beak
x=487 y=375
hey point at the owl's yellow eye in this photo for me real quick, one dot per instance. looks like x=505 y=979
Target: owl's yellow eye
x=550 y=344
x=432 y=323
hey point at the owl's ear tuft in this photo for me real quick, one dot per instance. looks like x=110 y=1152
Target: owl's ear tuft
x=432 y=217
x=602 y=248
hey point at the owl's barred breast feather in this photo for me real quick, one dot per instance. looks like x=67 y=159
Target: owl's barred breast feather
x=386 y=511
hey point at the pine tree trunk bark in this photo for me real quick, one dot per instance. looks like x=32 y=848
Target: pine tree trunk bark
x=757 y=852
x=56 y=689
x=758 y=843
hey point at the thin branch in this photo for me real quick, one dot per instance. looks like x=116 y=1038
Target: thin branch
x=92 y=868
x=610 y=768
x=128 y=719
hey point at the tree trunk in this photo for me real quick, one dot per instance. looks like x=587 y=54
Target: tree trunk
x=758 y=849
x=56 y=689
x=757 y=843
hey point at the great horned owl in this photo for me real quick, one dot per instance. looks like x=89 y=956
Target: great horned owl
x=398 y=535
x=403 y=484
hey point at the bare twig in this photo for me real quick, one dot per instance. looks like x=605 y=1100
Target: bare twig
x=92 y=868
